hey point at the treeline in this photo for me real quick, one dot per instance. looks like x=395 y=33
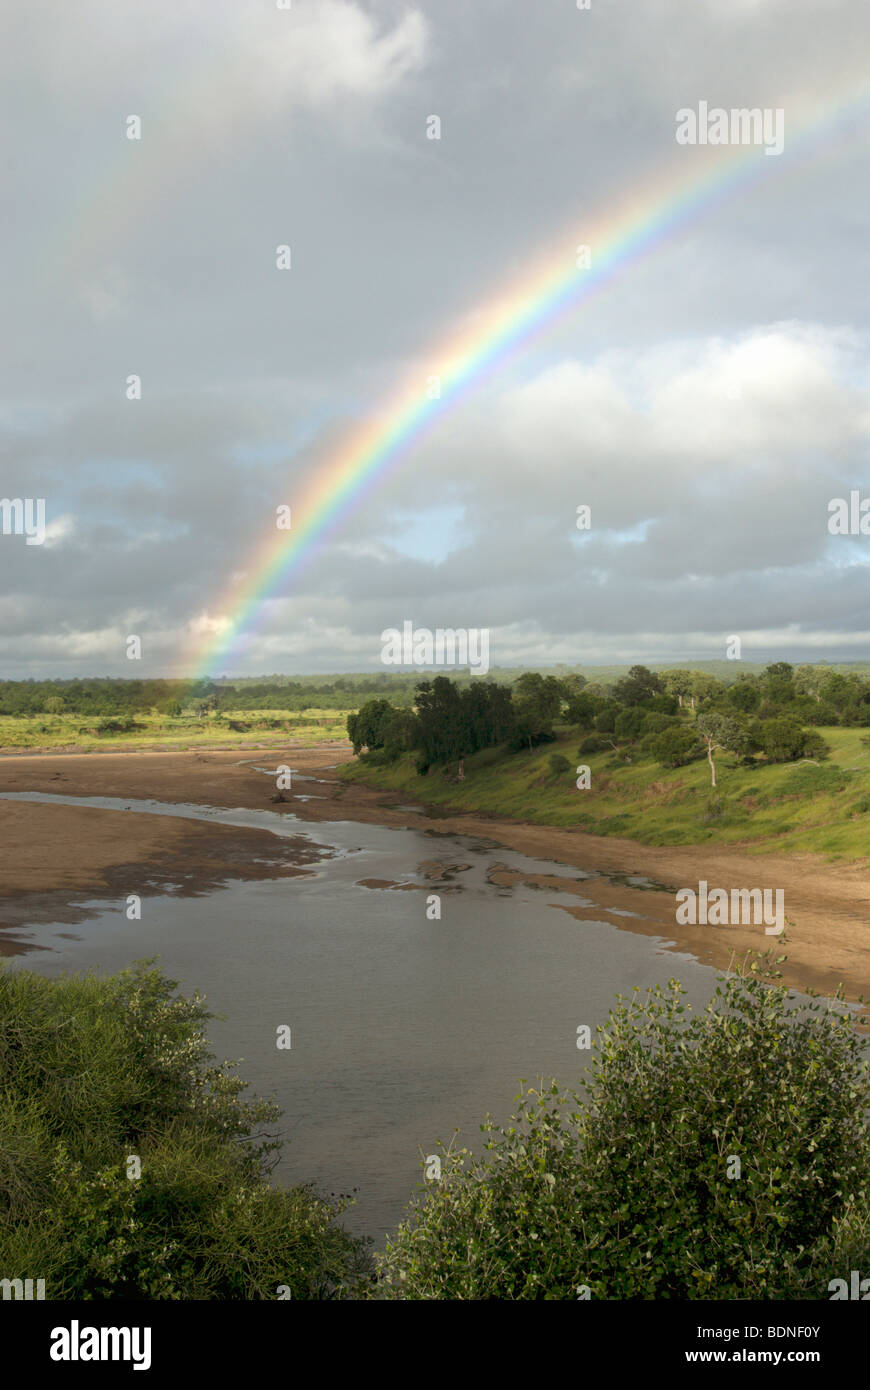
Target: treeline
x=810 y=694
x=109 y=697
x=673 y=717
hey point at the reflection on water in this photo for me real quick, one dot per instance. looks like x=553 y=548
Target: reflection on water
x=403 y=1028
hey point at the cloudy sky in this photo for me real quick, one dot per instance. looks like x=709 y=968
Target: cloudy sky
x=707 y=403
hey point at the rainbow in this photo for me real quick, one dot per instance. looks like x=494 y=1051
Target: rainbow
x=557 y=284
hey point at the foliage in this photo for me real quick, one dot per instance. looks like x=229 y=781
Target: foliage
x=629 y=1187
x=558 y=764
x=366 y=728
x=676 y=747
x=783 y=740
x=95 y=1070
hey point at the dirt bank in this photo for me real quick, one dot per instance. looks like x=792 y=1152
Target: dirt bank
x=49 y=849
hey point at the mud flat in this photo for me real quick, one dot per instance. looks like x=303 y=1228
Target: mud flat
x=51 y=852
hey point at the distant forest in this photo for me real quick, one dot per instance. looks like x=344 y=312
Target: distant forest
x=104 y=696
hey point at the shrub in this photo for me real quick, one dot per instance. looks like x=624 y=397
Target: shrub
x=657 y=723
x=676 y=747
x=93 y=1070
x=629 y=1187
x=783 y=740
x=629 y=723
x=592 y=744
x=558 y=764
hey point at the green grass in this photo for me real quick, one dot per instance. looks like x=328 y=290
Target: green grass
x=46 y=731
x=776 y=808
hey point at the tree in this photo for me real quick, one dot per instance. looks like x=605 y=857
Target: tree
x=637 y=686
x=704 y=687
x=808 y=680
x=365 y=729
x=443 y=733
x=744 y=695
x=399 y=732
x=718 y=731
x=778 y=683
x=537 y=702
x=677 y=682
x=581 y=709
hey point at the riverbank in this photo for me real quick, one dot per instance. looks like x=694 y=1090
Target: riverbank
x=59 y=852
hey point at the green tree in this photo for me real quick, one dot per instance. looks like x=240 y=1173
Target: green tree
x=677 y=682
x=718 y=731
x=537 y=702
x=744 y=695
x=704 y=688
x=366 y=728
x=638 y=685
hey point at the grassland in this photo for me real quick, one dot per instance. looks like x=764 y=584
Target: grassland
x=765 y=808
x=160 y=731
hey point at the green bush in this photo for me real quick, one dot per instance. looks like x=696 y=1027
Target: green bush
x=631 y=1186
x=558 y=764
x=95 y=1070
x=606 y=718
x=629 y=723
x=783 y=740
x=593 y=744
x=657 y=723
x=676 y=747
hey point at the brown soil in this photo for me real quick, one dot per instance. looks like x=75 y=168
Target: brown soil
x=63 y=850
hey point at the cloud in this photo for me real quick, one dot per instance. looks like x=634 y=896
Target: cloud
x=706 y=403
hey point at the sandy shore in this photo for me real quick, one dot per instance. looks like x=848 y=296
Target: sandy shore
x=53 y=854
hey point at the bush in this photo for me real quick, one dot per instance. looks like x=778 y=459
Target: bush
x=657 y=723
x=94 y=1070
x=592 y=744
x=814 y=745
x=629 y=723
x=606 y=719
x=630 y=1187
x=676 y=747
x=783 y=740
x=558 y=764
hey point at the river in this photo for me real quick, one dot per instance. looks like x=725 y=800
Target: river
x=403 y=1029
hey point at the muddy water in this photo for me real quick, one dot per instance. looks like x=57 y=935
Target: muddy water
x=403 y=1028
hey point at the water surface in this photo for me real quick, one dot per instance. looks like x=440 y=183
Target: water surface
x=403 y=1028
